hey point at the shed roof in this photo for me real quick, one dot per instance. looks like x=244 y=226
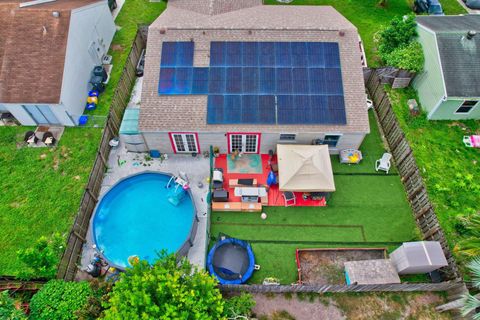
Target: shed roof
x=380 y=271
x=257 y=23
x=424 y=253
x=459 y=56
x=32 y=50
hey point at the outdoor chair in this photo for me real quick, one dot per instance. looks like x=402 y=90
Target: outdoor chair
x=30 y=137
x=48 y=138
x=290 y=199
x=384 y=163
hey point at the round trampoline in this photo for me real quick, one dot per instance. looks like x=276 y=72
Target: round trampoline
x=231 y=261
x=139 y=217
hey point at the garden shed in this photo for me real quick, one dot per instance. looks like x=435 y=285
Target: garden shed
x=418 y=257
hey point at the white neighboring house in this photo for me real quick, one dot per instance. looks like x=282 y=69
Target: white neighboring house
x=48 y=50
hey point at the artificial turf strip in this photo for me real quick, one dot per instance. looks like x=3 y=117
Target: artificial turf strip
x=369 y=17
x=377 y=203
x=41 y=188
x=372 y=149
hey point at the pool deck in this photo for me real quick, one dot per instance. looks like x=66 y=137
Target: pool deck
x=123 y=164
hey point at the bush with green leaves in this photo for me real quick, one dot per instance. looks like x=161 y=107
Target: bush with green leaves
x=41 y=260
x=397 y=46
x=409 y=57
x=471 y=303
x=165 y=290
x=60 y=300
x=239 y=306
x=8 y=310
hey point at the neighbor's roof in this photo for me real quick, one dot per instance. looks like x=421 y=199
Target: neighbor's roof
x=213 y=7
x=265 y=17
x=32 y=50
x=380 y=271
x=258 y=23
x=459 y=56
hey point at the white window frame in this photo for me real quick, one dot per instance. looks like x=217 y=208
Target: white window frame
x=462 y=105
x=244 y=142
x=183 y=136
x=339 y=135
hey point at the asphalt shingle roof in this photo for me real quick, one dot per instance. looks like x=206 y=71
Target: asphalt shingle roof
x=258 y=23
x=459 y=56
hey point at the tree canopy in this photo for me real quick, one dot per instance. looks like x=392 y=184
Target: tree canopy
x=397 y=45
x=165 y=290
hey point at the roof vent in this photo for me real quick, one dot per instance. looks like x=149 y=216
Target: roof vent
x=471 y=34
x=163 y=30
x=55 y=14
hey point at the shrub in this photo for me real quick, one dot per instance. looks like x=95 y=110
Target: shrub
x=41 y=260
x=398 y=34
x=409 y=57
x=239 y=306
x=8 y=311
x=397 y=46
x=165 y=290
x=60 y=300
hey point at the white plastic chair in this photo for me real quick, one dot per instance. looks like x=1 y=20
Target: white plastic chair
x=384 y=163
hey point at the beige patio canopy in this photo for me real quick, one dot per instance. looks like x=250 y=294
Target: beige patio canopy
x=304 y=168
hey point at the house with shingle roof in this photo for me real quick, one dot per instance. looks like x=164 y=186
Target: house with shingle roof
x=48 y=50
x=449 y=86
x=243 y=76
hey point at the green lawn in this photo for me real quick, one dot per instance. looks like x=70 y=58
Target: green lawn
x=133 y=14
x=450 y=170
x=365 y=211
x=41 y=188
x=368 y=17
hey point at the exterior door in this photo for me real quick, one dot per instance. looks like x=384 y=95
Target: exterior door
x=184 y=142
x=244 y=142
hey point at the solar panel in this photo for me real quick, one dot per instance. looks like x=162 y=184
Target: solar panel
x=234 y=80
x=260 y=82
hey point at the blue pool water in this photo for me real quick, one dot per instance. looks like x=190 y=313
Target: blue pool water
x=135 y=218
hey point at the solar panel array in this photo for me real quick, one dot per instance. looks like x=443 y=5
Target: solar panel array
x=259 y=82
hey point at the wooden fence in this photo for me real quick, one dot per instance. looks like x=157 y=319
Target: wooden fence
x=406 y=287
x=422 y=208
x=68 y=264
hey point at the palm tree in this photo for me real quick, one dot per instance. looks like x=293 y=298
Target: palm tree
x=470 y=246
x=471 y=303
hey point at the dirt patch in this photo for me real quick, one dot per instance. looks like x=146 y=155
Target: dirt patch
x=395 y=306
x=326 y=266
x=270 y=307
x=365 y=306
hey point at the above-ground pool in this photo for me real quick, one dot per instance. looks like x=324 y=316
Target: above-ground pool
x=136 y=218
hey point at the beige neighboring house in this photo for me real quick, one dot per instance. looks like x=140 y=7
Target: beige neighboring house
x=333 y=110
